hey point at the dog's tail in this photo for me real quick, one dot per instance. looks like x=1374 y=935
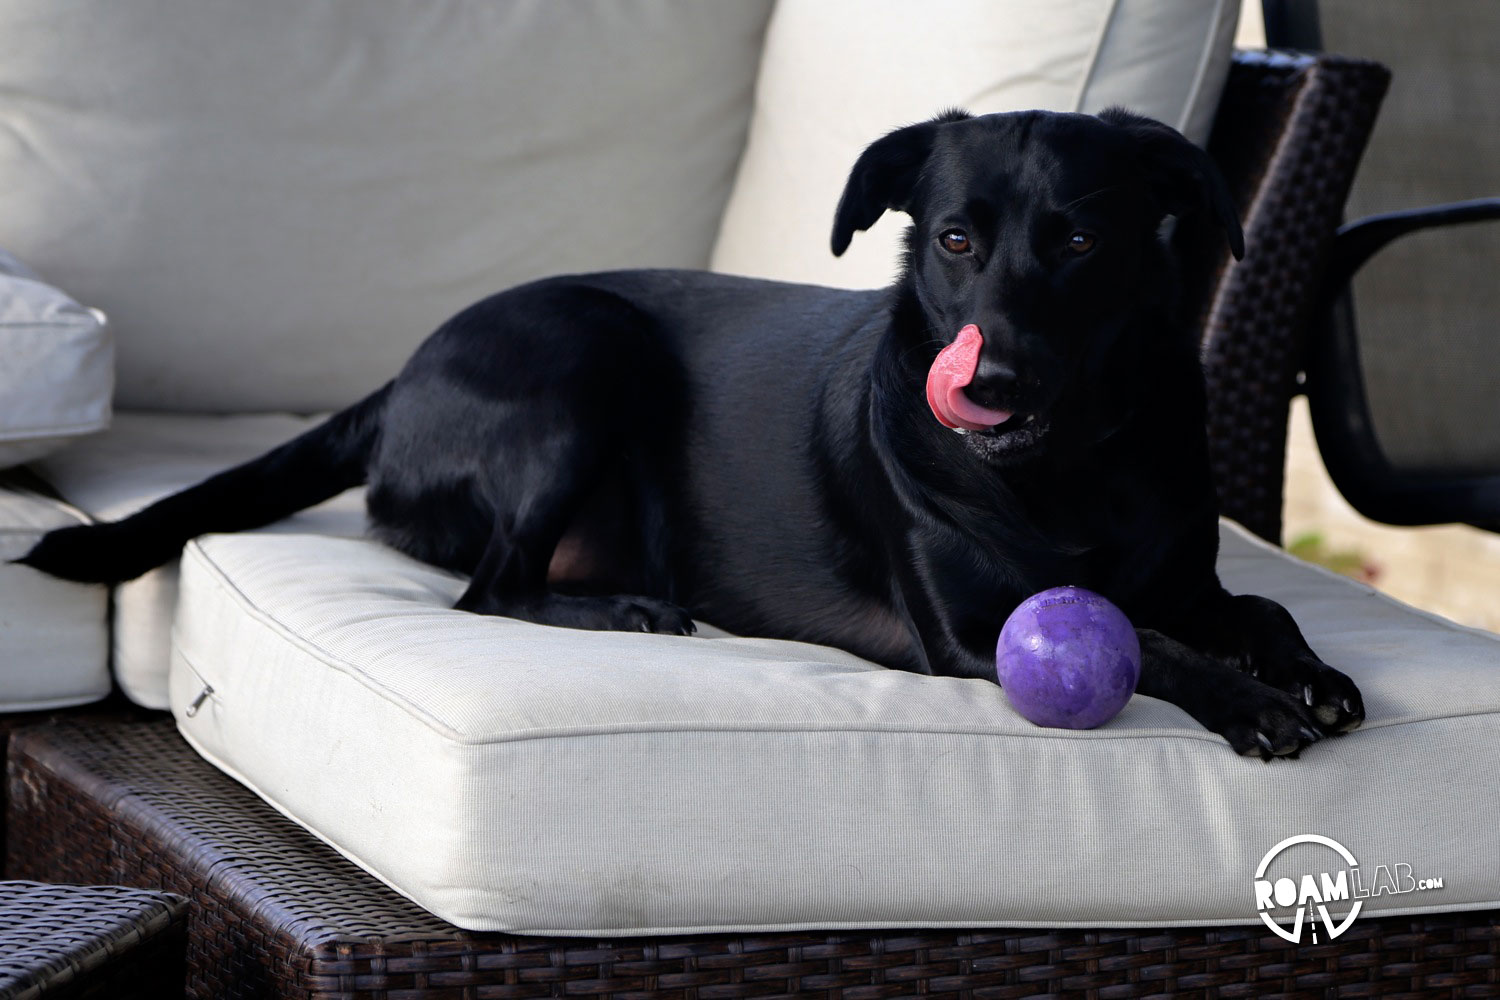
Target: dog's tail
x=305 y=471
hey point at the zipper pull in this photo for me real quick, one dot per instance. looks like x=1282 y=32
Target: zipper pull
x=203 y=696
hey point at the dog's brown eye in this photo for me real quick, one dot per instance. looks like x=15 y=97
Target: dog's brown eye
x=1081 y=243
x=954 y=241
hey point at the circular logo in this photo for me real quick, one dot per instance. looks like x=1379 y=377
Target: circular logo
x=1309 y=894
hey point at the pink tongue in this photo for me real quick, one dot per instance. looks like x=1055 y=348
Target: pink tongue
x=950 y=372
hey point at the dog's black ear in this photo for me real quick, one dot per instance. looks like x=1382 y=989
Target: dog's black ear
x=884 y=177
x=1184 y=177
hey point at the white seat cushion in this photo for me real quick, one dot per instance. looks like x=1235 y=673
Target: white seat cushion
x=145 y=456
x=838 y=74
x=54 y=635
x=510 y=776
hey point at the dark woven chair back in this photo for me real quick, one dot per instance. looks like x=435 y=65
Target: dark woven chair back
x=1288 y=137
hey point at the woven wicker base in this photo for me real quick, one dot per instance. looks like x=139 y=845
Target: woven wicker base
x=278 y=914
x=67 y=941
x=115 y=706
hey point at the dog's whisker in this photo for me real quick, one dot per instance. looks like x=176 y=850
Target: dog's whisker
x=922 y=347
x=1089 y=197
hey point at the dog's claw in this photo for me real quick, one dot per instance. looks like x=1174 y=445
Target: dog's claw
x=1311 y=735
x=1307 y=694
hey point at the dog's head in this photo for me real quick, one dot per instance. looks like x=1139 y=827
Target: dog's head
x=1042 y=230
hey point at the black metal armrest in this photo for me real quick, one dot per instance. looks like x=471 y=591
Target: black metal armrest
x=1358 y=241
x=1336 y=392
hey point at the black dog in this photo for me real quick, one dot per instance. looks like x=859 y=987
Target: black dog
x=629 y=450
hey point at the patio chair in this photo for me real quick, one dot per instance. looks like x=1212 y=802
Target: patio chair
x=1403 y=373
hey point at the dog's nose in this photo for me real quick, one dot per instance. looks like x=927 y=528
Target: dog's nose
x=995 y=384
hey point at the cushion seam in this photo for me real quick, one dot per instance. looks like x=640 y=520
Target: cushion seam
x=1200 y=72
x=64 y=701
x=45 y=502
x=266 y=620
x=1092 y=65
x=49 y=431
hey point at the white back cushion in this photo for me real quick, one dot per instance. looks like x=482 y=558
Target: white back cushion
x=838 y=74
x=276 y=201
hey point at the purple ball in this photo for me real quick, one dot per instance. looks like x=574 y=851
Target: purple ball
x=1068 y=658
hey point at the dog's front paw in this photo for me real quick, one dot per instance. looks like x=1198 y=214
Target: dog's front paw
x=1334 y=698
x=1267 y=645
x=1329 y=695
x=1260 y=721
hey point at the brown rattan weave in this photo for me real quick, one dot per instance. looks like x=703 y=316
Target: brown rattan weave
x=90 y=941
x=276 y=913
x=114 y=706
x=8 y=722
x=1288 y=135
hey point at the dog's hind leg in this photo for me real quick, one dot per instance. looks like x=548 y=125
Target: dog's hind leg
x=539 y=426
x=491 y=594
x=510 y=579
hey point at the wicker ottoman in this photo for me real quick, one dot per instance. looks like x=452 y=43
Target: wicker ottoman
x=90 y=941
x=279 y=914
